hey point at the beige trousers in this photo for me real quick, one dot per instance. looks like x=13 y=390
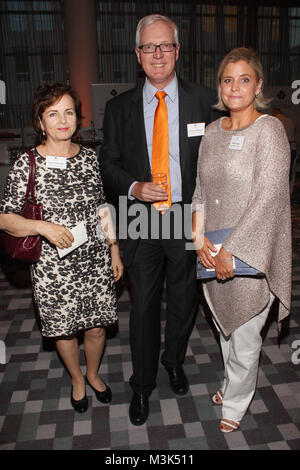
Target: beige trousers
x=241 y=353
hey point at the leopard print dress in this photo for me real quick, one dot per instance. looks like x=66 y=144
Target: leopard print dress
x=76 y=292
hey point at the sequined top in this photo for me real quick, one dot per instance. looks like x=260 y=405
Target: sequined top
x=247 y=188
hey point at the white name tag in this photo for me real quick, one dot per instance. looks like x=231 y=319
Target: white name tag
x=195 y=129
x=56 y=162
x=237 y=142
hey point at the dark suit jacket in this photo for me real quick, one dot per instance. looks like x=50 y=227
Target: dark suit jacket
x=123 y=155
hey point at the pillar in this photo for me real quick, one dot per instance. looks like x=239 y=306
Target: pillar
x=82 y=51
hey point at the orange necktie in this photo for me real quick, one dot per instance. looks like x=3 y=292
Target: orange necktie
x=160 y=146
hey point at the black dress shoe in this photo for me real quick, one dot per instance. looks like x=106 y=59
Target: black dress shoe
x=178 y=381
x=139 y=409
x=105 y=396
x=79 y=405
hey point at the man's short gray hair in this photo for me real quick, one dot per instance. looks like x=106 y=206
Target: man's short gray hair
x=150 y=19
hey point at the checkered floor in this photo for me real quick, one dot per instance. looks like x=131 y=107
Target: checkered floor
x=35 y=409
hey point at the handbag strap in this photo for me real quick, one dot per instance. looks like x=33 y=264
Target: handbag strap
x=31 y=178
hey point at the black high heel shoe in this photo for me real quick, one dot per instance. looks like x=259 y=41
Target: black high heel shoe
x=79 y=405
x=103 y=397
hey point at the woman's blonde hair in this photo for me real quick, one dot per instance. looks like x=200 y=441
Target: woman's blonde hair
x=251 y=57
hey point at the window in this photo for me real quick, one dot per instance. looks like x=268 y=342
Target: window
x=47 y=66
x=43 y=21
x=22 y=66
x=17 y=21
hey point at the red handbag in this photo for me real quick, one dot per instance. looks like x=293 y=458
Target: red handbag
x=26 y=248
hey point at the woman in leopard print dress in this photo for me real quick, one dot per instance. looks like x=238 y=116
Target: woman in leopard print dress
x=77 y=292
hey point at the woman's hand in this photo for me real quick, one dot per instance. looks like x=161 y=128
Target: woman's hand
x=116 y=262
x=56 y=234
x=204 y=255
x=18 y=226
x=224 y=265
x=109 y=230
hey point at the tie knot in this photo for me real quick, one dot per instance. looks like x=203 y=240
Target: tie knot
x=160 y=95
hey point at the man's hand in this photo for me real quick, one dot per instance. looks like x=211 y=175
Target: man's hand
x=149 y=192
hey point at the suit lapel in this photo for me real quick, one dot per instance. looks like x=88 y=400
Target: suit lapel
x=138 y=123
x=185 y=117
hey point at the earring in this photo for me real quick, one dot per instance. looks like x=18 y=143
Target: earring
x=44 y=133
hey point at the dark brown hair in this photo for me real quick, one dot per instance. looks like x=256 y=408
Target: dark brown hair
x=45 y=96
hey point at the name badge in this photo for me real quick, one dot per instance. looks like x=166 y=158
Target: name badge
x=237 y=142
x=195 y=129
x=56 y=162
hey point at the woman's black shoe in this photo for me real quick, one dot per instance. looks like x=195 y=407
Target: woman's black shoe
x=79 y=405
x=103 y=397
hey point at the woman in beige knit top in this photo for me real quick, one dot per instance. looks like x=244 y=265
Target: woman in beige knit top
x=243 y=184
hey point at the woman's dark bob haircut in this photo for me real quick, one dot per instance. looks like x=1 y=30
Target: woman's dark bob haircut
x=45 y=96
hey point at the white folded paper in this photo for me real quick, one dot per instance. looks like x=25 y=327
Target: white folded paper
x=80 y=237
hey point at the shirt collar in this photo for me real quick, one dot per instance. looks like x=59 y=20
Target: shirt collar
x=170 y=89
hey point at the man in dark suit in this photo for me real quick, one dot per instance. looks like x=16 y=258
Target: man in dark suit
x=125 y=160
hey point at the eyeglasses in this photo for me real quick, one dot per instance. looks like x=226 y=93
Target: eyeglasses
x=164 y=47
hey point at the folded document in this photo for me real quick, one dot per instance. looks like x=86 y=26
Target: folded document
x=240 y=268
x=80 y=237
